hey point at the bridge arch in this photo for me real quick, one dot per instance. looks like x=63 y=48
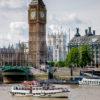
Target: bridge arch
x=15 y=73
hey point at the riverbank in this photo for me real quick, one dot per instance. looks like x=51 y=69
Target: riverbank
x=61 y=75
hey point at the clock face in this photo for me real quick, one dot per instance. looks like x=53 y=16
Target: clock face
x=35 y=1
x=42 y=14
x=33 y=15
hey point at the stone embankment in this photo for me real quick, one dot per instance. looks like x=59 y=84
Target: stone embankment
x=1 y=77
x=65 y=73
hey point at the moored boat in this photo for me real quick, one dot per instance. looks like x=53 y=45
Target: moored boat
x=89 y=81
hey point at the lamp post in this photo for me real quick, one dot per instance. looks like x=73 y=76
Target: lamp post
x=50 y=71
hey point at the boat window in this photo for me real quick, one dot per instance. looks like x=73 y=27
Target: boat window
x=34 y=88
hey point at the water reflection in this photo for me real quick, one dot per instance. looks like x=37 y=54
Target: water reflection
x=34 y=98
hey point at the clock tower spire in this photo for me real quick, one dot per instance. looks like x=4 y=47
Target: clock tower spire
x=37 y=32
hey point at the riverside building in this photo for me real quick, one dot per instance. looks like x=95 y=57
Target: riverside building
x=91 y=39
x=15 y=55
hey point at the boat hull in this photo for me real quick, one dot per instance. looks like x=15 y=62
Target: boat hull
x=44 y=95
x=54 y=95
x=85 y=81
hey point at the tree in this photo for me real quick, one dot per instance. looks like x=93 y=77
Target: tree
x=60 y=64
x=51 y=63
x=81 y=56
x=73 y=57
x=85 y=55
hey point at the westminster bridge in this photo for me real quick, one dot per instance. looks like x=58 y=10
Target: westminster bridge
x=13 y=74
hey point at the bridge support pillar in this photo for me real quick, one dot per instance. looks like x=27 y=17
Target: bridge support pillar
x=7 y=80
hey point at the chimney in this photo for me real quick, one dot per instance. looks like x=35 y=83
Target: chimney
x=93 y=32
x=86 y=32
x=90 y=30
x=77 y=30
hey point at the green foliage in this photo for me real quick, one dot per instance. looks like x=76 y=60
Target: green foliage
x=73 y=57
x=85 y=55
x=60 y=64
x=79 y=56
x=51 y=63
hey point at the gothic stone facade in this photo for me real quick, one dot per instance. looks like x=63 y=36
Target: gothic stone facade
x=57 y=44
x=12 y=56
x=37 y=32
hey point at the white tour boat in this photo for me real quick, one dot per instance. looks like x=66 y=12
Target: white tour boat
x=92 y=81
x=43 y=90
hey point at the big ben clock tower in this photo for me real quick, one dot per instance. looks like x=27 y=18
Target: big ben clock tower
x=37 y=32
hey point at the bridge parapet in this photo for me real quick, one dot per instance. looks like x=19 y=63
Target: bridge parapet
x=22 y=69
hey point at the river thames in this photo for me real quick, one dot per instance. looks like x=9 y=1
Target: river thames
x=76 y=93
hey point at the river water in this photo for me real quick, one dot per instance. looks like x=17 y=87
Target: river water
x=76 y=93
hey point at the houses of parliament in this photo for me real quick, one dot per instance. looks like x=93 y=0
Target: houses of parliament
x=37 y=49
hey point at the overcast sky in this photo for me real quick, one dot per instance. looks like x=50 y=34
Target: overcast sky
x=65 y=13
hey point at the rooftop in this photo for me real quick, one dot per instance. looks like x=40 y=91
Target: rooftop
x=86 y=39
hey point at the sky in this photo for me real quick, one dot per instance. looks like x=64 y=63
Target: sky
x=61 y=15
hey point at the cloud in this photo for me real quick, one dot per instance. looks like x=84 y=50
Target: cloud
x=12 y=4
x=13 y=18
x=18 y=27
x=64 y=22
x=18 y=32
x=65 y=19
x=72 y=18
